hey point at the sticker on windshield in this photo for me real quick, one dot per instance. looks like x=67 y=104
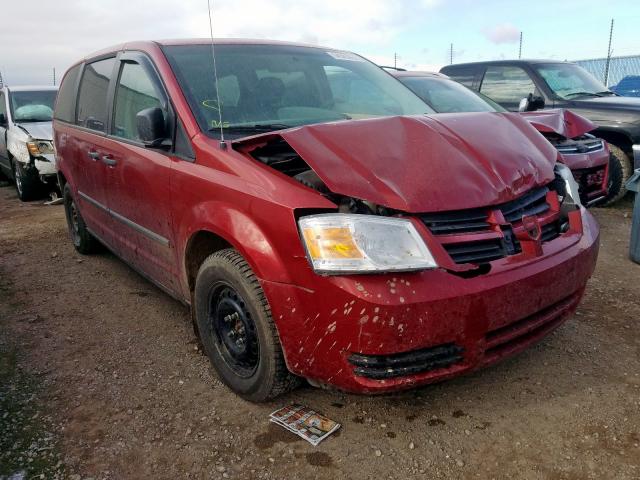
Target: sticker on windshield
x=342 y=55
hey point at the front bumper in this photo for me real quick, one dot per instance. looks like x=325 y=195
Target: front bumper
x=45 y=164
x=347 y=331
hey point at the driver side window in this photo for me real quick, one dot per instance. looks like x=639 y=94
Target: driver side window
x=507 y=84
x=135 y=92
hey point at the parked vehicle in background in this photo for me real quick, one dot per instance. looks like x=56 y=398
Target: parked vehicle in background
x=26 y=149
x=537 y=84
x=318 y=222
x=588 y=157
x=629 y=86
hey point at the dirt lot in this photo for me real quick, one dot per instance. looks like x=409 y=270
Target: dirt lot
x=130 y=396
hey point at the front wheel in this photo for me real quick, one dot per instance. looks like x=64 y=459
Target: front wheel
x=236 y=329
x=28 y=185
x=619 y=172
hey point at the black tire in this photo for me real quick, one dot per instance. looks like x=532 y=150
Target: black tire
x=28 y=184
x=82 y=240
x=619 y=172
x=236 y=329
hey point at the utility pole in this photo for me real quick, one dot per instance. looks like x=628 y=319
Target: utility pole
x=1 y=81
x=54 y=76
x=520 y=50
x=451 y=55
x=606 y=67
x=395 y=60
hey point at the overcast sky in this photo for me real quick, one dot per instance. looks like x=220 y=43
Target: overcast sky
x=38 y=35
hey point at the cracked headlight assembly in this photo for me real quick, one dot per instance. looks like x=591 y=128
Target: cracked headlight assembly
x=40 y=147
x=344 y=243
x=570 y=194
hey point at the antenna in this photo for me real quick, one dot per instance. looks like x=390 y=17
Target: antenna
x=215 y=76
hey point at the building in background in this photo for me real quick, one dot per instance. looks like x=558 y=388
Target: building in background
x=619 y=67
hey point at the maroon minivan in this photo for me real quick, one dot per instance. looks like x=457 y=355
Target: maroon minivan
x=320 y=219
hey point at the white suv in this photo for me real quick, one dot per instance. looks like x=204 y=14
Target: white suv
x=26 y=149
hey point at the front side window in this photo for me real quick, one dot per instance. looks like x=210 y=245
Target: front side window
x=447 y=96
x=505 y=84
x=92 y=95
x=32 y=106
x=135 y=92
x=266 y=87
x=3 y=105
x=568 y=81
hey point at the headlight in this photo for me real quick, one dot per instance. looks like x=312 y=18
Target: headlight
x=571 y=193
x=343 y=243
x=40 y=147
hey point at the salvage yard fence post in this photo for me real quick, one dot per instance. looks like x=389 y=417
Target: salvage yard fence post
x=633 y=185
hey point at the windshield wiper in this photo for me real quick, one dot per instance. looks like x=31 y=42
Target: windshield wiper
x=258 y=127
x=608 y=92
x=582 y=94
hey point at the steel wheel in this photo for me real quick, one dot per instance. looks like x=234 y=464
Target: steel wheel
x=233 y=330
x=17 y=175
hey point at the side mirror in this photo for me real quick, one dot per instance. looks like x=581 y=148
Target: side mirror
x=531 y=103
x=152 y=128
x=3 y=120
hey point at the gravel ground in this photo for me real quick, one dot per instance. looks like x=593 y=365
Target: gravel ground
x=130 y=395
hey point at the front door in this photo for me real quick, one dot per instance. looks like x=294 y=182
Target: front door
x=138 y=177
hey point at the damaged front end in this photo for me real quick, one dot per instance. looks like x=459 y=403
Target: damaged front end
x=506 y=210
x=588 y=157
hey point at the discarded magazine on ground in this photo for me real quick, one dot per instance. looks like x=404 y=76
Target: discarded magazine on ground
x=304 y=422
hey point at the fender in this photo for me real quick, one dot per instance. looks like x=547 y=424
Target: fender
x=258 y=243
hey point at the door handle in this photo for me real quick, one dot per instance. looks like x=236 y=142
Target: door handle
x=93 y=155
x=109 y=160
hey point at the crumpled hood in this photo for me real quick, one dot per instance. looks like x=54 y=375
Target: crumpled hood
x=560 y=121
x=38 y=130
x=428 y=163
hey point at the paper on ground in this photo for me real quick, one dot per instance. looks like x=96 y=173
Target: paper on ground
x=304 y=422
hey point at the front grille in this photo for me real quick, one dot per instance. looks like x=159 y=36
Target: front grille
x=532 y=203
x=380 y=367
x=460 y=230
x=582 y=145
x=510 y=337
x=462 y=221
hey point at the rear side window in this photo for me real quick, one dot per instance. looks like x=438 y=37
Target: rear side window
x=92 y=95
x=135 y=92
x=66 y=102
x=507 y=84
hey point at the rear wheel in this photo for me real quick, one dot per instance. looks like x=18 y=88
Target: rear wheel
x=619 y=171
x=28 y=184
x=236 y=329
x=83 y=241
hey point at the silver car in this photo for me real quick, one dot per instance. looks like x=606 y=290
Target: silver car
x=26 y=148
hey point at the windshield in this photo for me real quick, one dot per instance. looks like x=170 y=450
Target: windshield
x=32 y=106
x=568 y=81
x=269 y=87
x=447 y=96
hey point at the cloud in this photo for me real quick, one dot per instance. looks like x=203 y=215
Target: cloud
x=503 y=33
x=67 y=31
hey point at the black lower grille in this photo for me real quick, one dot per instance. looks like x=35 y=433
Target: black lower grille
x=477 y=251
x=379 y=367
x=550 y=231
